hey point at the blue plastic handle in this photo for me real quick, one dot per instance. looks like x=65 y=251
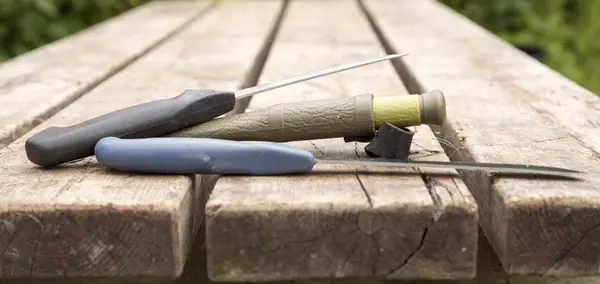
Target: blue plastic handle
x=201 y=156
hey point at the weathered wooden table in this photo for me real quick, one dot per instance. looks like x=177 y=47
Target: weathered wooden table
x=81 y=221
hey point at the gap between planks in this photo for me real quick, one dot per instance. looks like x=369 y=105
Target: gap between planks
x=81 y=220
x=40 y=83
x=240 y=206
x=252 y=77
x=537 y=226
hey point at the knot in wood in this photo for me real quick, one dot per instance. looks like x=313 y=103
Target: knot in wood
x=370 y=222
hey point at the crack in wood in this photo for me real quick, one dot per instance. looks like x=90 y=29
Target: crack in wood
x=316 y=147
x=364 y=189
x=431 y=185
x=571 y=248
x=412 y=254
x=37 y=241
x=551 y=139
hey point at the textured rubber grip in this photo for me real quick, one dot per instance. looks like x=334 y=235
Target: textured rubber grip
x=201 y=156
x=305 y=120
x=57 y=145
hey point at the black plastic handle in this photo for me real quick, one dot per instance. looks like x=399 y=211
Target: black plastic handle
x=57 y=145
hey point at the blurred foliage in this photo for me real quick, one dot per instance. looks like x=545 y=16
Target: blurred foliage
x=28 y=24
x=567 y=31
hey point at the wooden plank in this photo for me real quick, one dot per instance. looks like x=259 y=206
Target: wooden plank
x=36 y=85
x=489 y=270
x=340 y=222
x=504 y=106
x=82 y=220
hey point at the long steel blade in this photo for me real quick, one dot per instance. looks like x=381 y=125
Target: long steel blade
x=296 y=79
x=494 y=167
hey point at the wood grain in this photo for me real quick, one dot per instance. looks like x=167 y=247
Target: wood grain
x=37 y=84
x=81 y=220
x=338 y=222
x=504 y=106
x=489 y=271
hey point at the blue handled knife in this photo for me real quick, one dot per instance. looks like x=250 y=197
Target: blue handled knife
x=226 y=157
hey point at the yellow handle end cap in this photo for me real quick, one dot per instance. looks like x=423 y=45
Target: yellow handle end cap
x=433 y=107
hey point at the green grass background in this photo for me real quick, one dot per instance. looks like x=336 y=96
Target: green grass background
x=567 y=31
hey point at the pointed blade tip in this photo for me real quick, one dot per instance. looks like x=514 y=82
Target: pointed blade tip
x=399 y=54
